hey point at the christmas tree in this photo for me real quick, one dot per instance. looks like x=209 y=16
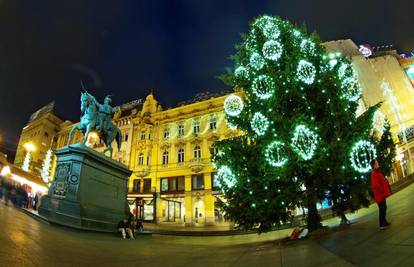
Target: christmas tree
x=299 y=140
x=26 y=162
x=47 y=164
x=386 y=151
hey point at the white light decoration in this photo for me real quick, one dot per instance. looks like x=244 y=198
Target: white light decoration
x=257 y=61
x=379 y=121
x=306 y=72
x=272 y=50
x=304 y=142
x=233 y=105
x=226 y=177
x=342 y=71
x=263 y=87
x=47 y=164
x=275 y=154
x=393 y=102
x=26 y=162
x=362 y=153
x=270 y=30
x=307 y=47
x=241 y=72
x=259 y=123
x=231 y=126
x=352 y=87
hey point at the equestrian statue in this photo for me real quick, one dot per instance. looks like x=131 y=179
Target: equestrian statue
x=97 y=117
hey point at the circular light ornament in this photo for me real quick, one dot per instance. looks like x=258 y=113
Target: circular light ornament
x=271 y=30
x=226 y=177
x=233 y=105
x=275 y=154
x=259 y=123
x=263 y=87
x=241 y=72
x=257 y=61
x=307 y=47
x=350 y=83
x=304 y=142
x=306 y=72
x=272 y=50
x=362 y=153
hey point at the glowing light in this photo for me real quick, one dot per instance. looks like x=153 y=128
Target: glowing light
x=275 y=154
x=259 y=123
x=5 y=171
x=241 y=72
x=362 y=153
x=304 y=142
x=233 y=105
x=30 y=147
x=47 y=164
x=306 y=72
x=365 y=50
x=257 y=61
x=263 y=87
x=226 y=177
x=307 y=46
x=272 y=50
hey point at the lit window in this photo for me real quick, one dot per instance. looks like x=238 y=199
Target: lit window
x=126 y=137
x=143 y=135
x=181 y=155
x=165 y=158
x=180 y=130
x=197 y=181
x=196 y=127
x=141 y=159
x=197 y=152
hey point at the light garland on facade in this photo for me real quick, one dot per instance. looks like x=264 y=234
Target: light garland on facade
x=275 y=154
x=47 y=164
x=306 y=72
x=379 y=121
x=263 y=87
x=304 y=142
x=272 y=50
x=259 y=123
x=233 y=105
x=362 y=153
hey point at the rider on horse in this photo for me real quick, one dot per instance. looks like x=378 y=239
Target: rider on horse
x=105 y=111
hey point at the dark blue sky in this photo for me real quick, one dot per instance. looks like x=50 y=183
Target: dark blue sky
x=175 y=48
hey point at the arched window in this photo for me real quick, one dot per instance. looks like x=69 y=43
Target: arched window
x=180 y=130
x=181 y=155
x=196 y=127
x=165 y=158
x=141 y=159
x=142 y=135
x=197 y=152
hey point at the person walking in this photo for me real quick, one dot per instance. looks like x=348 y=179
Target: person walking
x=381 y=190
x=123 y=227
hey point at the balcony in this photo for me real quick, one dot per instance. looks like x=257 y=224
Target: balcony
x=196 y=165
x=142 y=172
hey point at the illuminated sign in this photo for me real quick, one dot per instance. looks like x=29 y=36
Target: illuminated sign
x=365 y=50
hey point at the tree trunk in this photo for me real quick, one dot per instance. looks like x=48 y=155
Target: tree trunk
x=313 y=219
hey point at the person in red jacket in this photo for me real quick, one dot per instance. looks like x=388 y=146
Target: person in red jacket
x=381 y=190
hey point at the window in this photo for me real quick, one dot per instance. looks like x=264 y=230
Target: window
x=213 y=124
x=214 y=182
x=141 y=159
x=148 y=160
x=213 y=151
x=181 y=155
x=165 y=158
x=197 y=152
x=143 y=135
x=126 y=137
x=196 y=127
x=180 y=130
x=46 y=135
x=197 y=181
x=136 y=186
x=166 y=134
x=174 y=184
x=147 y=186
x=149 y=135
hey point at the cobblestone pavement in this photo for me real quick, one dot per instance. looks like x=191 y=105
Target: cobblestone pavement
x=25 y=241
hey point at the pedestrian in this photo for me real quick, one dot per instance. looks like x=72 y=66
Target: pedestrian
x=381 y=190
x=123 y=227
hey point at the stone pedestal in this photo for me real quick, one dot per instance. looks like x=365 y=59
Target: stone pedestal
x=89 y=190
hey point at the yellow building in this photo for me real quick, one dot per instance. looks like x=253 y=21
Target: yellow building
x=41 y=133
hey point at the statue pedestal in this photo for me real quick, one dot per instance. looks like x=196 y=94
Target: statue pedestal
x=89 y=190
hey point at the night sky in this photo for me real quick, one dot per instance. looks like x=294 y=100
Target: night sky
x=175 y=48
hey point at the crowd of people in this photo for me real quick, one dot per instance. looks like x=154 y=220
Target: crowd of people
x=14 y=193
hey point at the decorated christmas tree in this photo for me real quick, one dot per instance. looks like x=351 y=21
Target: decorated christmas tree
x=26 y=162
x=299 y=140
x=47 y=164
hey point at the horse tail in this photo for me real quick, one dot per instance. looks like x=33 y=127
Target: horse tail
x=118 y=138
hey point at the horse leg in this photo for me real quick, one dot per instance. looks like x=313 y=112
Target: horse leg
x=85 y=136
x=72 y=131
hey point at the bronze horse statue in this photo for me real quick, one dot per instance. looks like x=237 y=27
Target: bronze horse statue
x=97 y=117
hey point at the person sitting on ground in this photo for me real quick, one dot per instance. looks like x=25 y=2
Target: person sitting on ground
x=381 y=190
x=123 y=227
